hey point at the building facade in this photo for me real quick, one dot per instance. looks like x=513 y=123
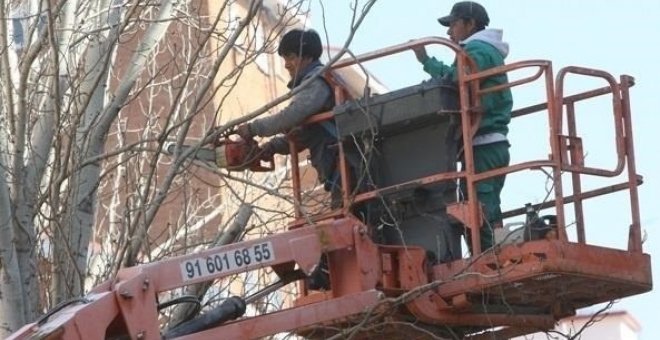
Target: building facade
x=616 y=325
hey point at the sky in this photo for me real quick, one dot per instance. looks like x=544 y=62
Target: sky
x=620 y=37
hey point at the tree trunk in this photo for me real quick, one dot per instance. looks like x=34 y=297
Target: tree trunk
x=11 y=289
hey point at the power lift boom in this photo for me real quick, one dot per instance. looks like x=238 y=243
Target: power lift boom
x=510 y=290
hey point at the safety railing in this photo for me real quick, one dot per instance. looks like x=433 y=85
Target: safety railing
x=572 y=150
x=341 y=95
x=560 y=145
x=566 y=150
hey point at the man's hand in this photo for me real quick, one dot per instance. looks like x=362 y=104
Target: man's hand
x=266 y=152
x=420 y=53
x=244 y=131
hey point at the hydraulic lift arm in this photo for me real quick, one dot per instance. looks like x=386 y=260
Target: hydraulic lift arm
x=127 y=306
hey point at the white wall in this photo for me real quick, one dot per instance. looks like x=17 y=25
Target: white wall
x=614 y=326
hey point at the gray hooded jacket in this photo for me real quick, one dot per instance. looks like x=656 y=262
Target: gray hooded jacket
x=319 y=138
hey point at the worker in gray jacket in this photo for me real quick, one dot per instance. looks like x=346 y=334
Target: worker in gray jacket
x=301 y=51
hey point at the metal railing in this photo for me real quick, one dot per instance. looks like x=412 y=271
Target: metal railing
x=565 y=150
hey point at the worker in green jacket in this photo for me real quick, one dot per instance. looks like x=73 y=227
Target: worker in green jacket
x=467 y=23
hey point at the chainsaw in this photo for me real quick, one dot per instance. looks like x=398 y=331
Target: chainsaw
x=231 y=154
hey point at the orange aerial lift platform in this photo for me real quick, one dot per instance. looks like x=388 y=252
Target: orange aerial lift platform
x=390 y=287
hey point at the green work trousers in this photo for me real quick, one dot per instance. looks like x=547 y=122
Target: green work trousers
x=488 y=157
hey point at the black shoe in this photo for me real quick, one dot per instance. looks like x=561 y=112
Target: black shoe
x=319 y=279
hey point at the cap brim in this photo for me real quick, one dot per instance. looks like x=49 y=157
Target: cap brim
x=446 y=20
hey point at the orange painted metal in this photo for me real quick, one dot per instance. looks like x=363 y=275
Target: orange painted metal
x=293 y=318
x=635 y=238
x=81 y=321
x=522 y=287
x=132 y=295
x=544 y=273
x=543 y=263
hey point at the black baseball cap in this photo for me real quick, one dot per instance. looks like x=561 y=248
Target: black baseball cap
x=466 y=10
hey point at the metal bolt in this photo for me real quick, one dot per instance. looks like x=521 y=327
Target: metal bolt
x=140 y=335
x=145 y=284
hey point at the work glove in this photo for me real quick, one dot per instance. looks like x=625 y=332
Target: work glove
x=266 y=152
x=244 y=131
